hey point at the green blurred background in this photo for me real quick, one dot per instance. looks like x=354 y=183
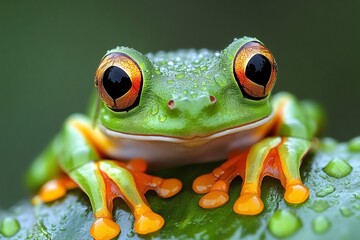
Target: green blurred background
x=50 y=49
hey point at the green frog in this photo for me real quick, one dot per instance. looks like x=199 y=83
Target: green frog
x=174 y=108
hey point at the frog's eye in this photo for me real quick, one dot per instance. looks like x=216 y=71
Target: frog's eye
x=255 y=70
x=119 y=80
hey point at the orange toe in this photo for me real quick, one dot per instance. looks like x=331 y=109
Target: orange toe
x=248 y=204
x=51 y=191
x=146 y=221
x=203 y=183
x=296 y=193
x=214 y=199
x=104 y=229
x=169 y=187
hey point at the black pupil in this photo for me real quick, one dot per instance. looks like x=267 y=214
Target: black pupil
x=116 y=82
x=258 y=69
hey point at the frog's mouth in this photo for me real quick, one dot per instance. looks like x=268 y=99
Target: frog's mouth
x=259 y=127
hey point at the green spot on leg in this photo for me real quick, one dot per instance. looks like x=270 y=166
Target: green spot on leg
x=9 y=227
x=325 y=191
x=321 y=224
x=284 y=223
x=337 y=168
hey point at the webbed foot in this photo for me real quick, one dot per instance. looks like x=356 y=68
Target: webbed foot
x=278 y=157
x=105 y=180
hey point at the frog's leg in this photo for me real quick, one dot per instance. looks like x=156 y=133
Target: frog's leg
x=280 y=156
x=249 y=166
x=103 y=180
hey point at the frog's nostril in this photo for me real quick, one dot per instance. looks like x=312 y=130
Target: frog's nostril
x=212 y=99
x=171 y=104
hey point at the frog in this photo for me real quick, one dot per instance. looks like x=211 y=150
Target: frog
x=165 y=109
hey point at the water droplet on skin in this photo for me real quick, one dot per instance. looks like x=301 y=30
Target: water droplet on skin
x=162 y=118
x=346 y=212
x=154 y=110
x=326 y=191
x=220 y=79
x=284 y=223
x=320 y=205
x=9 y=227
x=354 y=145
x=337 y=168
x=179 y=76
x=321 y=224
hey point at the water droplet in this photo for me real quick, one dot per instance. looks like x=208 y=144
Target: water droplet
x=357 y=196
x=203 y=68
x=9 y=227
x=170 y=81
x=195 y=85
x=157 y=71
x=321 y=224
x=180 y=75
x=320 y=205
x=346 y=212
x=337 y=168
x=170 y=63
x=154 y=110
x=220 y=79
x=162 y=118
x=325 y=191
x=284 y=223
x=328 y=144
x=185 y=92
x=203 y=83
x=354 y=144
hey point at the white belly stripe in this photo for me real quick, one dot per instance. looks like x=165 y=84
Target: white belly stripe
x=171 y=151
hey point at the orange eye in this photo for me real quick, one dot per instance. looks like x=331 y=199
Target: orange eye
x=255 y=70
x=119 y=81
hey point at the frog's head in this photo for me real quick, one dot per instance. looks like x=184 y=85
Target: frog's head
x=185 y=94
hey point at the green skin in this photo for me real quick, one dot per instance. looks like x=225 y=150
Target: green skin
x=189 y=78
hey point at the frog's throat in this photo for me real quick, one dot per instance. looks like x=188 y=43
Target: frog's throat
x=194 y=140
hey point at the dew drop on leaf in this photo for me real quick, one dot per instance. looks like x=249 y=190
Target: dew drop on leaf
x=284 y=223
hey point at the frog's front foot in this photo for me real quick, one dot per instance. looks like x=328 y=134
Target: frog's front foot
x=278 y=157
x=105 y=180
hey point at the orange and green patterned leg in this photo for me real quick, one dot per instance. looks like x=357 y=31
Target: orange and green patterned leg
x=132 y=186
x=279 y=157
x=291 y=152
x=257 y=160
x=105 y=180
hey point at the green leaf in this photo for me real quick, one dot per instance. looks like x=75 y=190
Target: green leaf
x=331 y=212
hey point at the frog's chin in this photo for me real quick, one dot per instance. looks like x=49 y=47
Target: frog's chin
x=259 y=127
